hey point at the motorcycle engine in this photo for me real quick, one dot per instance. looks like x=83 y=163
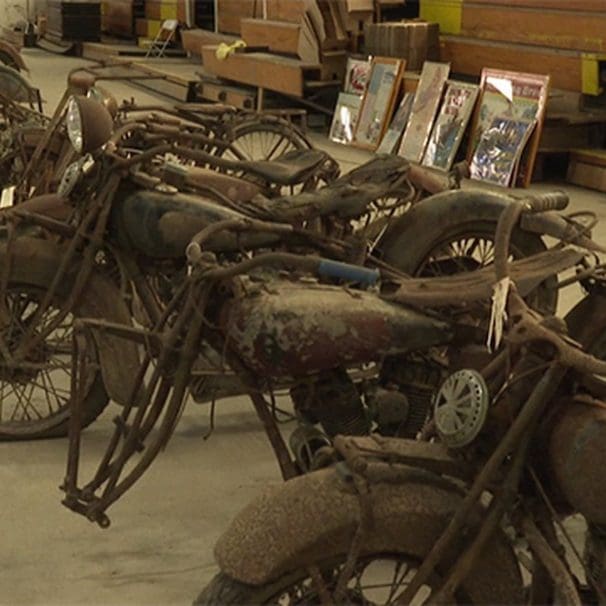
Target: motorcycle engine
x=416 y=377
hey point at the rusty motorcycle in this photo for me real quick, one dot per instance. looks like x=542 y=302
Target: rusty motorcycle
x=340 y=352
x=511 y=446
x=112 y=246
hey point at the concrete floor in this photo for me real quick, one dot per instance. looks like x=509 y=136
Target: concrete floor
x=158 y=549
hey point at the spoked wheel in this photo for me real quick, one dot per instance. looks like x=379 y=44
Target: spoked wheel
x=264 y=140
x=376 y=580
x=472 y=247
x=35 y=391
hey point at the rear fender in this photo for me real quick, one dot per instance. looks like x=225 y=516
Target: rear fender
x=35 y=262
x=14 y=54
x=313 y=518
x=408 y=238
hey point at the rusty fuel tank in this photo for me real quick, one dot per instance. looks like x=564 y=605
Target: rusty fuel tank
x=291 y=329
x=577 y=455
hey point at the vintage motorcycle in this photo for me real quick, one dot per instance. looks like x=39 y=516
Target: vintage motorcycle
x=114 y=250
x=341 y=353
x=471 y=511
x=38 y=151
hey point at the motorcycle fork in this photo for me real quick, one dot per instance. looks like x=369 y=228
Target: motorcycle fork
x=515 y=441
x=95 y=221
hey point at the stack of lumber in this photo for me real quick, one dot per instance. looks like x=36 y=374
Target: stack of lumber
x=414 y=40
x=587 y=168
x=293 y=43
x=566 y=40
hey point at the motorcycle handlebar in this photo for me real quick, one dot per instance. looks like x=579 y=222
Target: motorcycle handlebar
x=545 y=202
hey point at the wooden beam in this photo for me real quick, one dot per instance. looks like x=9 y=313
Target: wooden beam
x=569 y=29
x=569 y=70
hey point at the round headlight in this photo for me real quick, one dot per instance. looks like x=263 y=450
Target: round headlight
x=103 y=96
x=74 y=124
x=89 y=124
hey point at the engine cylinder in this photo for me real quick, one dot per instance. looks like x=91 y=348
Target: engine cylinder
x=577 y=455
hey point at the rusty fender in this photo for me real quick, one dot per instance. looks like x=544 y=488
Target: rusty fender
x=312 y=518
x=14 y=54
x=411 y=236
x=286 y=329
x=101 y=299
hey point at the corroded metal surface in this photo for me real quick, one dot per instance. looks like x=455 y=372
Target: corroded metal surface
x=292 y=329
x=313 y=518
x=577 y=457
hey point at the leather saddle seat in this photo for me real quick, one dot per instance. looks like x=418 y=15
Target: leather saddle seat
x=288 y=169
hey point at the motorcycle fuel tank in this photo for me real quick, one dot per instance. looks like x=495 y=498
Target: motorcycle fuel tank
x=292 y=329
x=161 y=225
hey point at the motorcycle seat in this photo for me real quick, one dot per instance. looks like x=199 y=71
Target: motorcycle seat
x=473 y=286
x=289 y=169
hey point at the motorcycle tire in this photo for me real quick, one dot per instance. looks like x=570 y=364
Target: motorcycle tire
x=223 y=590
x=264 y=139
x=471 y=246
x=35 y=399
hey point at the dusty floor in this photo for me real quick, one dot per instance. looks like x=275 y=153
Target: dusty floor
x=158 y=549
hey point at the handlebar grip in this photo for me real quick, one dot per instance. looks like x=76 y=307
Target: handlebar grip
x=544 y=202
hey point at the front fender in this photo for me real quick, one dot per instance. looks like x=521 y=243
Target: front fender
x=34 y=261
x=313 y=518
x=408 y=238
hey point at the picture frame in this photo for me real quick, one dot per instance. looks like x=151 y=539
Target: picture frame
x=377 y=107
x=450 y=125
x=356 y=75
x=393 y=134
x=345 y=118
x=517 y=96
x=424 y=109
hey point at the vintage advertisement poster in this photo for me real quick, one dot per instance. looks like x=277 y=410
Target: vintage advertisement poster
x=356 y=75
x=378 y=101
x=499 y=150
x=450 y=125
x=513 y=95
x=424 y=110
x=392 y=136
x=345 y=118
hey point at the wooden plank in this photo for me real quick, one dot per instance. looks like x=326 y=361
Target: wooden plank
x=286 y=10
x=194 y=39
x=230 y=12
x=596 y=157
x=557 y=28
x=566 y=68
x=577 y=5
x=278 y=36
x=263 y=70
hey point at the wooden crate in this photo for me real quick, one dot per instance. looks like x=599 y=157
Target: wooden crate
x=587 y=168
x=74 y=21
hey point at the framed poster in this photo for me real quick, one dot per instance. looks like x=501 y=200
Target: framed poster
x=499 y=150
x=424 y=110
x=513 y=95
x=356 y=75
x=378 y=102
x=392 y=136
x=450 y=125
x=345 y=118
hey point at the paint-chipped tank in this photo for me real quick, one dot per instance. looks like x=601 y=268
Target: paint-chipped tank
x=293 y=328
